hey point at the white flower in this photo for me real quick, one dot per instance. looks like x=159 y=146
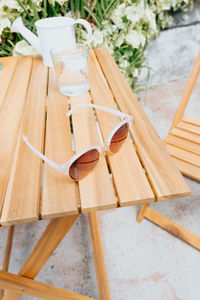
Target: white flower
x=111 y=49
x=117 y=16
x=109 y=29
x=140 y=9
x=97 y=38
x=37 y=1
x=132 y=14
x=23 y=48
x=124 y=64
x=120 y=40
x=151 y=18
x=135 y=38
x=61 y=2
x=4 y=22
x=120 y=10
x=9 y=3
x=135 y=72
x=165 y=4
x=109 y=45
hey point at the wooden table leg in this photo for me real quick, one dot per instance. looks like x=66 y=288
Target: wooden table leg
x=141 y=215
x=50 y=239
x=36 y=289
x=102 y=280
x=7 y=253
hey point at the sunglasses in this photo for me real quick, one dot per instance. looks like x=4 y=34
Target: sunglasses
x=81 y=164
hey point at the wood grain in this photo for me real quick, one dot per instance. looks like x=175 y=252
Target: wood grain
x=128 y=174
x=102 y=280
x=163 y=174
x=187 y=169
x=49 y=241
x=7 y=253
x=22 y=198
x=36 y=289
x=96 y=189
x=59 y=195
x=141 y=214
x=172 y=227
x=189 y=127
x=183 y=144
x=191 y=120
x=187 y=92
x=184 y=155
x=8 y=67
x=186 y=135
x=10 y=119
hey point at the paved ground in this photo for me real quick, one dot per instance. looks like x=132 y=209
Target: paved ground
x=172 y=53
x=143 y=261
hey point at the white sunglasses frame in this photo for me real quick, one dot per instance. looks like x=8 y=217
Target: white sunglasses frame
x=64 y=168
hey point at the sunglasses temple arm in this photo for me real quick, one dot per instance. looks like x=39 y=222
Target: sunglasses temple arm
x=55 y=166
x=112 y=111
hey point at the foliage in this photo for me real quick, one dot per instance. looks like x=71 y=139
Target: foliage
x=124 y=27
x=131 y=25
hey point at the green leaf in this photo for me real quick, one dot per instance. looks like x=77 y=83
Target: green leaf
x=99 y=11
x=93 y=5
x=51 y=6
x=125 y=20
x=24 y=8
x=128 y=52
x=82 y=10
x=72 y=5
x=76 y=5
x=112 y=5
x=34 y=8
x=93 y=16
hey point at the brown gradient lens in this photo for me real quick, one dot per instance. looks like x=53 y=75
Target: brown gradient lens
x=84 y=164
x=119 y=138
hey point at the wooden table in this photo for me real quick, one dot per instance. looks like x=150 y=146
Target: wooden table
x=140 y=173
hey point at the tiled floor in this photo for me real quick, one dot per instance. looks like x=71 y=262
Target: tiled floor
x=143 y=261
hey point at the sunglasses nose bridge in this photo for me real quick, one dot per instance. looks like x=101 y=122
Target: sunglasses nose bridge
x=104 y=149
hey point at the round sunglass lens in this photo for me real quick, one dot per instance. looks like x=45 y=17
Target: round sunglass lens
x=119 y=138
x=84 y=164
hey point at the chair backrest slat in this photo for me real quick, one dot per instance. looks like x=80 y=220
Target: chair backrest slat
x=187 y=92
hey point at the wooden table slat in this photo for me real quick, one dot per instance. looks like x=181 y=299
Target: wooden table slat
x=23 y=192
x=96 y=189
x=128 y=174
x=164 y=176
x=8 y=67
x=10 y=119
x=189 y=127
x=59 y=195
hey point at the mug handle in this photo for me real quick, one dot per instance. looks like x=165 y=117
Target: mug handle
x=87 y=25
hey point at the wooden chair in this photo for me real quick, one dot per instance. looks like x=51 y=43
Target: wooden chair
x=183 y=144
